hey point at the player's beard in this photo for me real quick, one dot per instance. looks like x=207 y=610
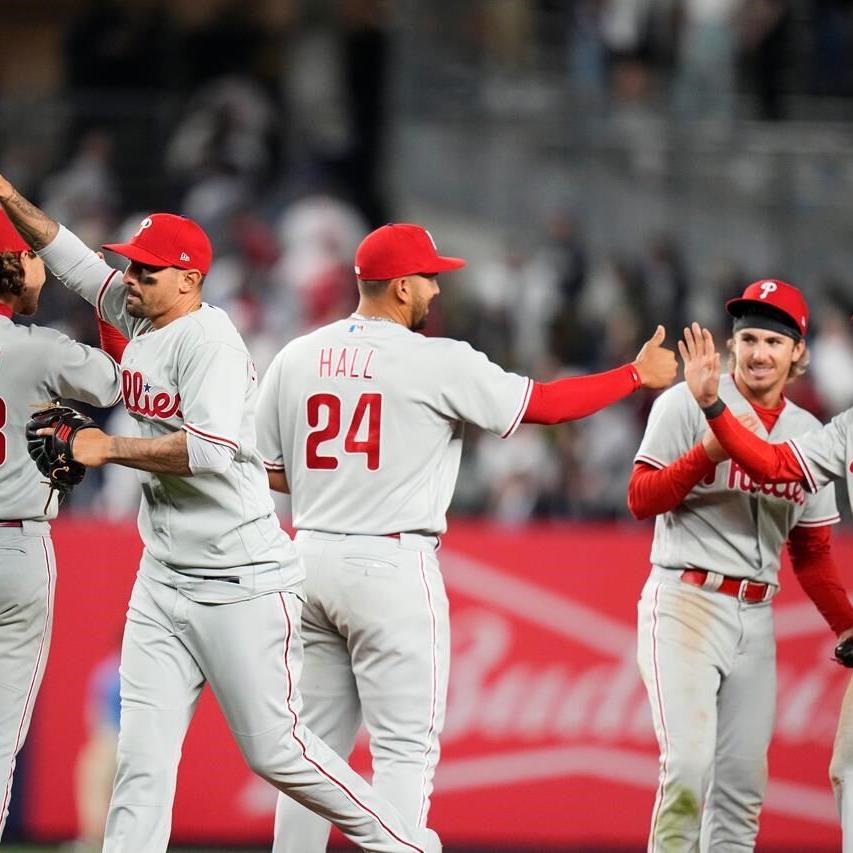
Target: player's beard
x=420 y=312
x=134 y=307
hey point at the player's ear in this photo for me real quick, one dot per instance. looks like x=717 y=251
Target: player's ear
x=402 y=288
x=190 y=279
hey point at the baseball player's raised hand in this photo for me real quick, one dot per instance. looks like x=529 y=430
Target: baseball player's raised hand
x=701 y=364
x=656 y=364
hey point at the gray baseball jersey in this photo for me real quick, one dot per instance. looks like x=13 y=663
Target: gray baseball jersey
x=212 y=522
x=368 y=402
x=366 y=418
x=706 y=657
x=212 y=539
x=743 y=534
x=826 y=454
x=36 y=366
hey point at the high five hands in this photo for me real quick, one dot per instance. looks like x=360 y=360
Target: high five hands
x=701 y=364
x=656 y=364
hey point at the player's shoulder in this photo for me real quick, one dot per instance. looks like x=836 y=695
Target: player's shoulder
x=676 y=396
x=35 y=336
x=210 y=324
x=802 y=419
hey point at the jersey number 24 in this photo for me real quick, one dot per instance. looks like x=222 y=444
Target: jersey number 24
x=362 y=436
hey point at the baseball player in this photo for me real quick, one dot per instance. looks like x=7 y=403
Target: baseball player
x=217 y=596
x=36 y=366
x=806 y=460
x=362 y=420
x=706 y=646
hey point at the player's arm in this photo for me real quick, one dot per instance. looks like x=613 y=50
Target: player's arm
x=81 y=372
x=653 y=491
x=33 y=224
x=268 y=424
x=69 y=259
x=278 y=481
x=763 y=461
x=167 y=454
x=579 y=396
x=817 y=573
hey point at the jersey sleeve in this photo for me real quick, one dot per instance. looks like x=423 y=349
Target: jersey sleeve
x=83 y=373
x=822 y=453
x=671 y=429
x=473 y=389
x=267 y=417
x=212 y=381
x=90 y=276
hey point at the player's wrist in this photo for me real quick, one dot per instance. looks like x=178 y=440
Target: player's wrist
x=712 y=408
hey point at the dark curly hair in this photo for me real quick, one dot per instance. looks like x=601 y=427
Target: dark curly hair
x=11 y=273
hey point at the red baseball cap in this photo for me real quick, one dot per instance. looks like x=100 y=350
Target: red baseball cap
x=10 y=239
x=774 y=298
x=167 y=240
x=399 y=249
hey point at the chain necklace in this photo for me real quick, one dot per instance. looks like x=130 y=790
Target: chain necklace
x=355 y=315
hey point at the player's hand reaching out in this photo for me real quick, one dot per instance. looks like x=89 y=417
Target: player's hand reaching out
x=701 y=364
x=713 y=447
x=656 y=364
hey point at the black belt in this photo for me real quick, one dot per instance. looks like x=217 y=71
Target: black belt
x=226 y=578
x=11 y=523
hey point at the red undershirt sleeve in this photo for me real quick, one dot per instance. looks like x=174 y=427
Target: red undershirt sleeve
x=113 y=341
x=764 y=462
x=652 y=491
x=578 y=396
x=817 y=573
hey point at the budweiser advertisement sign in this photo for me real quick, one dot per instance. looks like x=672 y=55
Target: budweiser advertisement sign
x=548 y=741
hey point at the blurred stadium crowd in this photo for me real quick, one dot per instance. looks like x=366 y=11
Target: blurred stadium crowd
x=263 y=122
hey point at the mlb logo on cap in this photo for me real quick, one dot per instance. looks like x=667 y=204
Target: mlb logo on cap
x=167 y=240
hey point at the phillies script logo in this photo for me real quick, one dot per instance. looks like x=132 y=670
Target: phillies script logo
x=545 y=696
x=739 y=479
x=139 y=400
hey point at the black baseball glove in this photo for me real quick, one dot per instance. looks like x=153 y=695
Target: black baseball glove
x=844 y=652
x=52 y=453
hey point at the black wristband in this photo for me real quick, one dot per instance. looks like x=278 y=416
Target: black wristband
x=714 y=410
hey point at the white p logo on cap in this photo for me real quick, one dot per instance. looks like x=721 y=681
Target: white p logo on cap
x=768 y=287
x=146 y=223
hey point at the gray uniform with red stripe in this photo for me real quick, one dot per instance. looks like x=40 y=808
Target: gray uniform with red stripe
x=366 y=419
x=211 y=539
x=708 y=660
x=826 y=455
x=36 y=366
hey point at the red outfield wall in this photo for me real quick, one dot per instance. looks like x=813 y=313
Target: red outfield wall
x=548 y=738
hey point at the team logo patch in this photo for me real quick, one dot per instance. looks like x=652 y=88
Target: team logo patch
x=146 y=223
x=768 y=287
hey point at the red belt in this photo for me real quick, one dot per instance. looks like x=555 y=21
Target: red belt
x=744 y=589
x=11 y=523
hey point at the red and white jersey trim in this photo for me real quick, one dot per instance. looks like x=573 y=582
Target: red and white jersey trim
x=100 y=300
x=208 y=436
x=273 y=466
x=649 y=460
x=521 y=410
x=808 y=476
x=820 y=522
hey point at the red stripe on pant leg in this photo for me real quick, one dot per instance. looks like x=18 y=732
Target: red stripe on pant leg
x=30 y=700
x=303 y=748
x=422 y=814
x=659 y=697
